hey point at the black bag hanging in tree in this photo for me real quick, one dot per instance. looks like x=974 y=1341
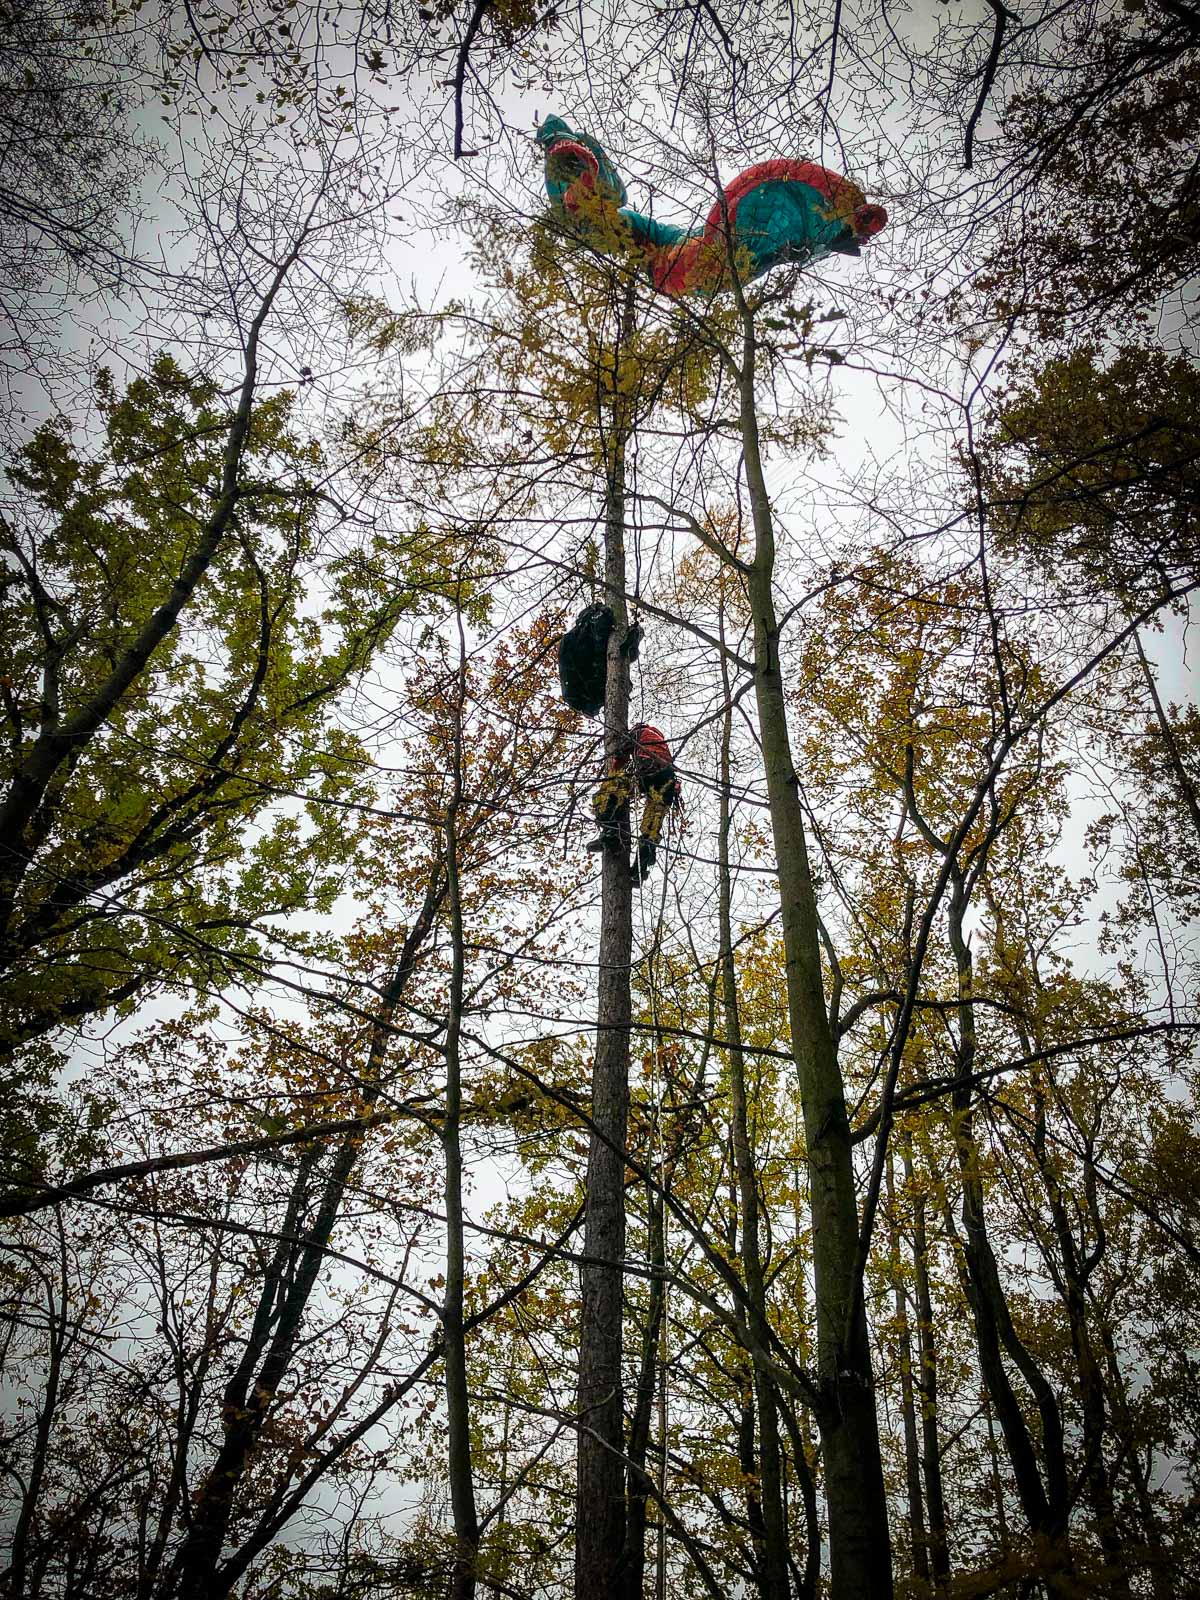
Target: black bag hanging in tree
x=583 y=660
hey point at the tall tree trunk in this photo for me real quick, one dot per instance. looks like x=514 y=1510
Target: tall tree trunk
x=808 y=1577
x=1045 y=1504
x=766 y=1514
x=58 y=1325
x=1187 y=788
x=918 y=1538
x=652 y=1370
x=250 y=1392
x=931 y=1455
x=981 y=1286
x=660 y=1541
x=643 y=1407
x=1076 y=1266
x=797 y=1422
x=859 y=1541
x=1153 y=1556
x=748 y=1466
x=600 y=1478
x=458 y=1420
x=287 y=1286
x=1071 y=1269
x=995 y=1479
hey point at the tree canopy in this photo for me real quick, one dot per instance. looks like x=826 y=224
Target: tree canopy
x=402 y=1199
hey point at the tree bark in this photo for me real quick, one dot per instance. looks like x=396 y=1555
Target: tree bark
x=639 y=1426
x=287 y=1285
x=860 y=1546
x=600 y=1479
x=918 y=1539
x=1153 y=1555
x=58 y=1324
x=765 y=1509
x=931 y=1456
x=1187 y=789
x=1045 y=1505
x=458 y=1405
x=994 y=1476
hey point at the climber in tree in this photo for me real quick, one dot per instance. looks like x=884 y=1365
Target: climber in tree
x=646 y=759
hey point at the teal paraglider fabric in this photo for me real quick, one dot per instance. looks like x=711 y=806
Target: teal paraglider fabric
x=773 y=213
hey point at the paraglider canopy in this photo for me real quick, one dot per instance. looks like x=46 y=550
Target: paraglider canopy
x=774 y=213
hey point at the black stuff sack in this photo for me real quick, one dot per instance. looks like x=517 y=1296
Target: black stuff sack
x=583 y=660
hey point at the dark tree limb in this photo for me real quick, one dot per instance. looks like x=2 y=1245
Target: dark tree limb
x=460 y=74
x=32 y=1197
x=1003 y=18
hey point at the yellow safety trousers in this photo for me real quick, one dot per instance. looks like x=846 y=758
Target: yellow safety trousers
x=616 y=791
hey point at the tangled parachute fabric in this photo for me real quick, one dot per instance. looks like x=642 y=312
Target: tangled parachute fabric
x=774 y=213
